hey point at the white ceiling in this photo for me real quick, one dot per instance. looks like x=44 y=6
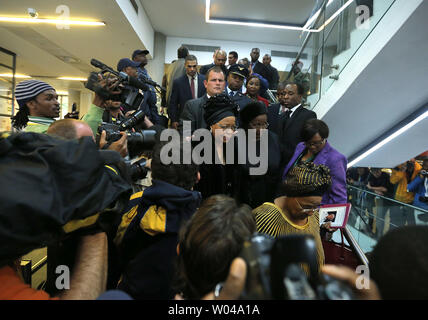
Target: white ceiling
x=41 y=48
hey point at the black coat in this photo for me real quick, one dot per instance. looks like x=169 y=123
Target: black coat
x=288 y=130
x=181 y=93
x=254 y=190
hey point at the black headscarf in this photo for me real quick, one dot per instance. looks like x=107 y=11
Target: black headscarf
x=219 y=107
x=251 y=111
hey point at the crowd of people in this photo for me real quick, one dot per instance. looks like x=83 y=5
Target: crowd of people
x=398 y=192
x=181 y=236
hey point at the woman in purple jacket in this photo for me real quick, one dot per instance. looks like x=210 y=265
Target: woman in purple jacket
x=315 y=148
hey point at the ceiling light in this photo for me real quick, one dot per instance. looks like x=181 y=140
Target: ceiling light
x=72 y=78
x=248 y=23
x=388 y=139
x=53 y=21
x=312 y=19
x=10 y=75
x=335 y=14
x=62 y=93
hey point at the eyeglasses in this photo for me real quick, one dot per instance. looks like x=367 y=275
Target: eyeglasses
x=260 y=125
x=315 y=144
x=233 y=128
x=306 y=209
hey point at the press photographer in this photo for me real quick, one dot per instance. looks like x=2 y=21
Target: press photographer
x=49 y=172
x=419 y=186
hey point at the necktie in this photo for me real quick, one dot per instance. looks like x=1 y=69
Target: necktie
x=232 y=93
x=287 y=114
x=192 y=87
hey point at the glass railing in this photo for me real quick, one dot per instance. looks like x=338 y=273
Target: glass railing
x=338 y=33
x=372 y=216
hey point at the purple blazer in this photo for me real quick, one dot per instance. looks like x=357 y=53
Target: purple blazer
x=337 y=163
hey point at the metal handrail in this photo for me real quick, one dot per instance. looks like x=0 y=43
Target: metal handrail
x=388 y=199
x=355 y=247
x=305 y=42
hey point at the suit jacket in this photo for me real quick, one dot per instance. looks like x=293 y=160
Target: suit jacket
x=193 y=111
x=181 y=93
x=203 y=70
x=273 y=77
x=288 y=130
x=175 y=70
x=337 y=164
x=261 y=69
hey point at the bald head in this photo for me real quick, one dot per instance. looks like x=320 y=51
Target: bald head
x=70 y=129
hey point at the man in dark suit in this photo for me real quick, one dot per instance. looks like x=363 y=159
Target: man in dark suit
x=273 y=73
x=193 y=111
x=257 y=66
x=220 y=58
x=287 y=117
x=235 y=79
x=185 y=88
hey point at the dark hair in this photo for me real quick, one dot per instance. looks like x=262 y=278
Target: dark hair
x=181 y=175
x=234 y=54
x=300 y=88
x=281 y=86
x=190 y=57
x=216 y=69
x=182 y=52
x=64 y=128
x=313 y=126
x=251 y=111
x=396 y=276
x=20 y=120
x=210 y=240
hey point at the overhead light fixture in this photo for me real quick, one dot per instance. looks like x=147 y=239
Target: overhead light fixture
x=208 y=19
x=72 y=78
x=62 y=93
x=53 y=21
x=313 y=18
x=388 y=139
x=10 y=75
x=335 y=15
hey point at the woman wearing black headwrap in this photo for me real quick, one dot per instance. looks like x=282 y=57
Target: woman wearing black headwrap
x=254 y=190
x=218 y=176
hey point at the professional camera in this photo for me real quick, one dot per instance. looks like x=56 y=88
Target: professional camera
x=275 y=271
x=138 y=141
x=138 y=170
x=128 y=86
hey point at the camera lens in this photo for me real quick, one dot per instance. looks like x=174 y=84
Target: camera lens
x=132 y=121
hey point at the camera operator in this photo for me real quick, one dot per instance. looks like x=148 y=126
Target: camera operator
x=147 y=235
x=58 y=205
x=401 y=176
x=419 y=186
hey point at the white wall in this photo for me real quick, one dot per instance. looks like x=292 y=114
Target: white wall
x=140 y=23
x=242 y=48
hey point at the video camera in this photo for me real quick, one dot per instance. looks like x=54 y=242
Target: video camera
x=138 y=140
x=274 y=271
x=128 y=86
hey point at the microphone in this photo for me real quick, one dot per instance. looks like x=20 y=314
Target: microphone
x=136 y=83
x=152 y=83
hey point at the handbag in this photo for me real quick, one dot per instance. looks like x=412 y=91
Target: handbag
x=339 y=253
